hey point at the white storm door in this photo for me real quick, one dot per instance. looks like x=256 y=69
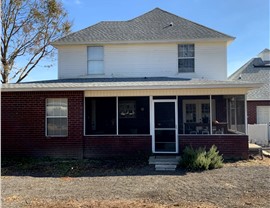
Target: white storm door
x=165 y=126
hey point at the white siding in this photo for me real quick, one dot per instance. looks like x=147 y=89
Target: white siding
x=72 y=61
x=141 y=60
x=145 y=60
x=211 y=61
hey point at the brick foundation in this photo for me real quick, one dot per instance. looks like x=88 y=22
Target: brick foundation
x=107 y=146
x=230 y=146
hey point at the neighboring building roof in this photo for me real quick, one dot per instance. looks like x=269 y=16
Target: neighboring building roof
x=125 y=84
x=154 y=26
x=256 y=70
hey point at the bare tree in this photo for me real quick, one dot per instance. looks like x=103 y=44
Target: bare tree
x=28 y=28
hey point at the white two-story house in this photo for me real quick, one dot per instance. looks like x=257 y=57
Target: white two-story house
x=153 y=84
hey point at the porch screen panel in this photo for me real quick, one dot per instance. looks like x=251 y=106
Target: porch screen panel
x=133 y=115
x=236 y=113
x=100 y=116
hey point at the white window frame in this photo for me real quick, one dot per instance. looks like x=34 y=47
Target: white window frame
x=186 y=57
x=48 y=117
x=89 y=59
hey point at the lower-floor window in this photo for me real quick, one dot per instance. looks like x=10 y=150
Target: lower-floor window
x=56 y=117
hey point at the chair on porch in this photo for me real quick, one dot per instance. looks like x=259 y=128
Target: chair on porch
x=205 y=132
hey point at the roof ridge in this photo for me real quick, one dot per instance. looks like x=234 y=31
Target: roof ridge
x=157 y=8
x=120 y=31
x=241 y=69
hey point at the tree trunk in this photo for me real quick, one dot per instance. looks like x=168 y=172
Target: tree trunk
x=5 y=73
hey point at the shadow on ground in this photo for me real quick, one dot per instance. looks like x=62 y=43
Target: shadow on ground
x=47 y=167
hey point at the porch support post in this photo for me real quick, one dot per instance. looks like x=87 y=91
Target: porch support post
x=152 y=125
x=117 y=128
x=210 y=120
x=246 y=123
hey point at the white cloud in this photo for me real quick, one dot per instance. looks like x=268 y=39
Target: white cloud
x=77 y=2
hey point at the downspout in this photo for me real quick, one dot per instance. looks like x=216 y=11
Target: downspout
x=246 y=117
x=210 y=120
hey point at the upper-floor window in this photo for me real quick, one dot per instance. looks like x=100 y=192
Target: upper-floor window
x=186 y=55
x=57 y=117
x=95 y=59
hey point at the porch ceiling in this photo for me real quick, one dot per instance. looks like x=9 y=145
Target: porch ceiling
x=166 y=92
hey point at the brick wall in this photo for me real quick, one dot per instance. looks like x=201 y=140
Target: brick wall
x=23 y=125
x=231 y=146
x=252 y=111
x=23 y=132
x=107 y=146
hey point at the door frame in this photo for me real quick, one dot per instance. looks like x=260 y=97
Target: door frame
x=152 y=124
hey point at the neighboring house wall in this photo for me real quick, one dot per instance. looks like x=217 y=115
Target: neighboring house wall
x=252 y=110
x=142 y=60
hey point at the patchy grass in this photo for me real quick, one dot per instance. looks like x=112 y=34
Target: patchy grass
x=48 y=167
x=256 y=161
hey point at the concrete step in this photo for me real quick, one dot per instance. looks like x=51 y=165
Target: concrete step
x=164 y=160
x=164 y=163
x=165 y=167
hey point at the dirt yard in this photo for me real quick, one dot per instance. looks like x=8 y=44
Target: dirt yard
x=239 y=184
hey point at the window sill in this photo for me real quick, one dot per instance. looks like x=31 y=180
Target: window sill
x=56 y=136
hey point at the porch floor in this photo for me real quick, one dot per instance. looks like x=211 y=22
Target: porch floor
x=254 y=149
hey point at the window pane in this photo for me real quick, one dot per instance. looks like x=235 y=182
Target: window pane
x=205 y=114
x=186 y=50
x=56 y=107
x=190 y=51
x=95 y=53
x=57 y=126
x=164 y=115
x=95 y=67
x=186 y=65
x=191 y=113
x=100 y=116
x=133 y=115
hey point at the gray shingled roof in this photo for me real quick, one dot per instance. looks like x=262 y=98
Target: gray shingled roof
x=255 y=71
x=124 y=83
x=152 y=26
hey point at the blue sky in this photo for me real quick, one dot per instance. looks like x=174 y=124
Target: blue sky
x=247 y=20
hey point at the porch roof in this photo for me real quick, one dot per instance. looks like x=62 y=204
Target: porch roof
x=144 y=83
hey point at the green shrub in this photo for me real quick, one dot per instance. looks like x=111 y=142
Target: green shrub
x=200 y=159
x=216 y=160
